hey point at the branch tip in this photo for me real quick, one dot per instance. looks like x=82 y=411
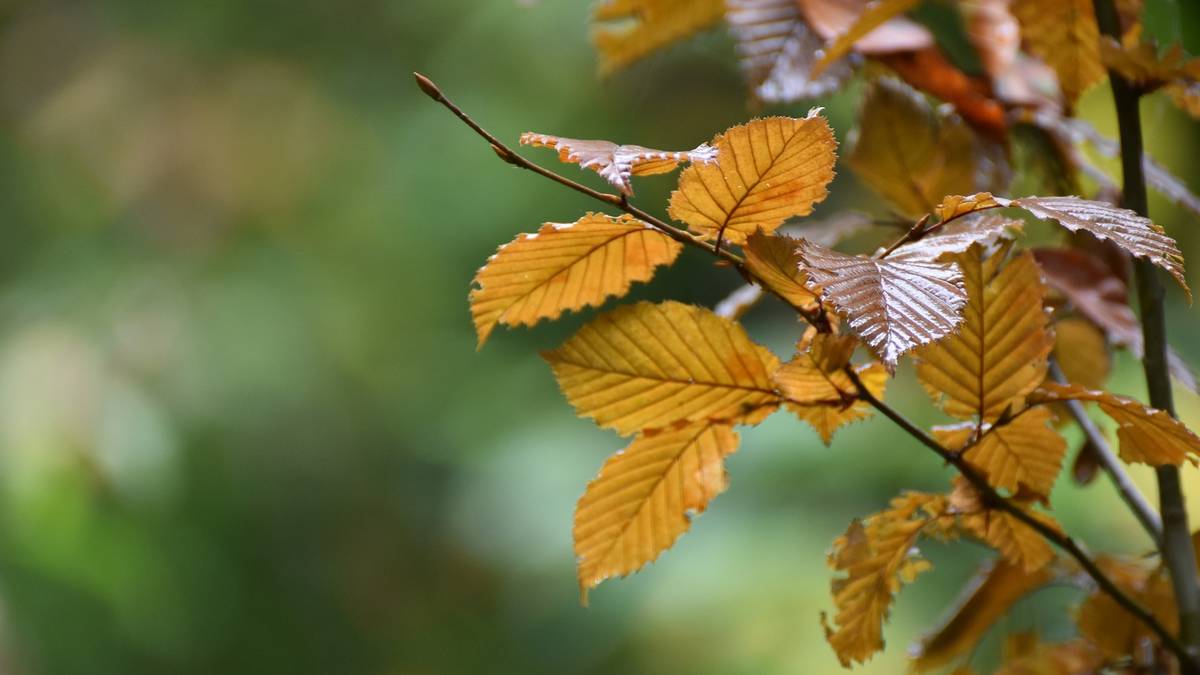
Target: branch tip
x=431 y=90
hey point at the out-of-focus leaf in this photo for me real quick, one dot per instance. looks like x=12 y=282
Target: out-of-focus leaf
x=1146 y=435
x=617 y=163
x=986 y=598
x=834 y=18
x=766 y=171
x=999 y=354
x=957 y=237
x=872 y=15
x=566 y=266
x=626 y=31
x=1024 y=452
x=775 y=261
x=877 y=557
x=893 y=306
x=817 y=389
x=647 y=365
x=1111 y=628
x=1065 y=35
x=1142 y=66
x=740 y=301
x=645 y=497
x=1082 y=352
x=777 y=49
x=1025 y=654
x=930 y=71
x=1086 y=465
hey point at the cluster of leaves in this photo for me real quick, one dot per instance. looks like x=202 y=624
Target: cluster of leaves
x=981 y=318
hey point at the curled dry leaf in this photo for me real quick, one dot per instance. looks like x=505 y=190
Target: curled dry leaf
x=566 y=266
x=647 y=365
x=774 y=260
x=1146 y=435
x=893 y=306
x=777 y=49
x=1065 y=35
x=985 y=599
x=645 y=497
x=626 y=31
x=1022 y=453
x=617 y=163
x=872 y=16
x=999 y=354
x=956 y=206
x=766 y=171
x=818 y=391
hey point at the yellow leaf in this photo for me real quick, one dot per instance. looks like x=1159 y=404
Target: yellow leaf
x=1082 y=352
x=648 y=365
x=645 y=497
x=777 y=49
x=1186 y=96
x=1146 y=435
x=627 y=30
x=1022 y=452
x=819 y=391
x=767 y=170
x=985 y=599
x=1142 y=66
x=566 y=267
x=1016 y=541
x=955 y=206
x=911 y=154
x=876 y=556
x=893 y=306
x=873 y=15
x=999 y=353
x=1065 y=35
x=1110 y=627
x=616 y=163
x=773 y=260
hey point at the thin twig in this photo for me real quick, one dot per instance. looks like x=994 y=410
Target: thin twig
x=1129 y=492
x=994 y=499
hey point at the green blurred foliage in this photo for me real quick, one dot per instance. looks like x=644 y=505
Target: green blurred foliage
x=243 y=424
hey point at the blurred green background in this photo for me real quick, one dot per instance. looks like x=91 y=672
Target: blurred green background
x=243 y=424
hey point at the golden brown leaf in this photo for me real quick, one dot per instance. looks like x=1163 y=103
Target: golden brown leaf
x=1024 y=452
x=954 y=206
x=566 y=266
x=1032 y=657
x=1065 y=35
x=1186 y=96
x=777 y=49
x=617 y=163
x=1146 y=435
x=628 y=30
x=767 y=170
x=877 y=558
x=894 y=306
x=999 y=354
x=909 y=153
x=773 y=259
x=1016 y=541
x=649 y=365
x=986 y=598
x=819 y=392
x=1110 y=627
x=645 y=497
x=930 y=71
x=1142 y=66
x=873 y=15
x=1082 y=352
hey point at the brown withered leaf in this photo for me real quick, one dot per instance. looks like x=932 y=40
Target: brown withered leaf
x=1086 y=465
x=777 y=49
x=645 y=497
x=647 y=365
x=1065 y=35
x=999 y=354
x=909 y=153
x=1111 y=628
x=566 y=266
x=775 y=261
x=1024 y=452
x=986 y=597
x=617 y=163
x=930 y=71
x=832 y=19
x=1146 y=435
x=1013 y=539
x=767 y=170
x=819 y=392
x=625 y=31
x=956 y=206
x=893 y=306
x=872 y=15
x=877 y=557
x=957 y=237
x=1082 y=352
x=1030 y=656
x=1137 y=236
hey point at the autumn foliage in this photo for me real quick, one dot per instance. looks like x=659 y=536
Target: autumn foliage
x=1008 y=341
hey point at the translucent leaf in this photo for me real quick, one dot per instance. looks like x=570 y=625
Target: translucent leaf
x=820 y=392
x=957 y=237
x=1013 y=539
x=1065 y=35
x=985 y=599
x=566 y=267
x=999 y=353
x=1082 y=352
x=617 y=163
x=1024 y=452
x=645 y=497
x=834 y=18
x=778 y=49
x=892 y=306
x=767 y=170
x=873 y=15
x=909 y=153
x=648 y=365
x=1111 y=628
x=1146 y=435
x=876 y=556
x=1137 y=236
x=774 y=260
x=626 y=31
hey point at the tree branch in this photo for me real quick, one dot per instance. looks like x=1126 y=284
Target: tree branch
x=1177 y=551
